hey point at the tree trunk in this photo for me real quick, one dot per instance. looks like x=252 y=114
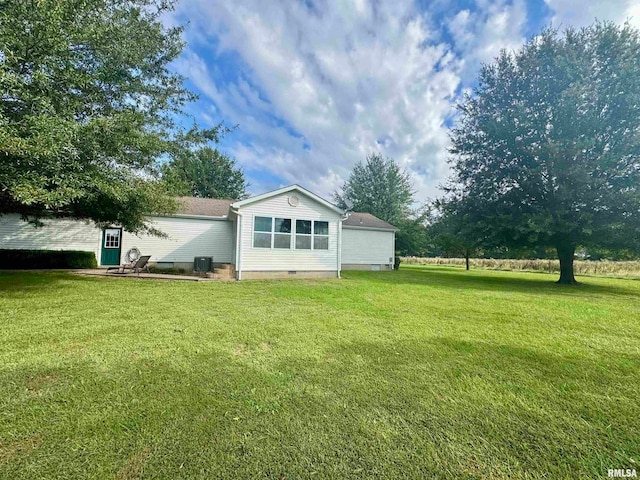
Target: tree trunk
x=466 y=258
x=565 y=255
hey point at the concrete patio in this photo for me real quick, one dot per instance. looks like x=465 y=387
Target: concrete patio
x=102 y=272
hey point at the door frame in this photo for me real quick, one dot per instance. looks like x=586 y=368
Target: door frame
x=103 y=239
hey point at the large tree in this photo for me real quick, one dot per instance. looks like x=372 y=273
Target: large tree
x=547 y=149
x=378 y=186
x=87 y=105
x=206 y=173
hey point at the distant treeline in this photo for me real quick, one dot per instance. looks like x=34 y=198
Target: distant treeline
x=582 y=267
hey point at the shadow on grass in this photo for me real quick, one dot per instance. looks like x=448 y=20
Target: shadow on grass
x=14 y=281
x=493 y=281
x=398 y=409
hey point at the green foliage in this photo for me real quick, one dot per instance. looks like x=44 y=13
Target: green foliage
x=379 y=187
x=205 y=173
x=396 y=263
x=46 y=259
x=547 y=148
x=88 y=104
x=412 y=237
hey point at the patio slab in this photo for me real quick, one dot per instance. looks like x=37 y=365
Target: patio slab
x=98 y=272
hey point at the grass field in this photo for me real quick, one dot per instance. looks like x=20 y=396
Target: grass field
x=429 y=372
x=621 y=269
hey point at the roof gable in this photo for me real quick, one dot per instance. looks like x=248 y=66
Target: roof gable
x=280 y=191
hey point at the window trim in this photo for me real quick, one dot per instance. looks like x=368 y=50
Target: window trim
x=319 y=235
x=293 y=234
x=272 y=232
x=254 y=231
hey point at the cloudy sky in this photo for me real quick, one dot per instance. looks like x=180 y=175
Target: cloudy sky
x=314 y=86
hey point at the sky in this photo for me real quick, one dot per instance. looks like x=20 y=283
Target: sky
x=316 y=86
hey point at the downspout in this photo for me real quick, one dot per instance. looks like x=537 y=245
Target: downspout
x=238 y=243
x=342 y=218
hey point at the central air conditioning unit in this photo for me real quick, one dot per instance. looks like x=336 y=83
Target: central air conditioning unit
x=202 y=264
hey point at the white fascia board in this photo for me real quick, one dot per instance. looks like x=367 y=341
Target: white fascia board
x=377 y=229
x=195 y=217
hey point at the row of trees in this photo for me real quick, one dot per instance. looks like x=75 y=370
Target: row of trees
x=546 y=153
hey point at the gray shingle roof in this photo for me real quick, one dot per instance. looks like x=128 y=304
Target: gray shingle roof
x=366 y=220
x=211 y=207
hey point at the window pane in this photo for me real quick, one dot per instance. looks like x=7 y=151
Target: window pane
x=262 y=224
x=262 y=240
x=321 y=243
x=321 y=228
x=303 y=242
x=282 y=240
x=303 y=226
x=283 y=225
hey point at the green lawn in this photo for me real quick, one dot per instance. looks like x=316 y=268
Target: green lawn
x=427 y=372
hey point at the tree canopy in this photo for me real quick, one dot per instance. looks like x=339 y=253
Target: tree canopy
x=88 y=105
x=547 y=149
x=205 y=173
x=378 y=186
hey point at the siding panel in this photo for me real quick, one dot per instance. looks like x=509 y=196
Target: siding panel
x=367 y=246
x=57 y=234
x=264 y=259
x=187 y=238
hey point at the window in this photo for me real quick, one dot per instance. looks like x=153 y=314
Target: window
x=271 y=232
x=262 y=232
x=282 y=233
x=320 y=235
x=303 y=234
x=112 y=238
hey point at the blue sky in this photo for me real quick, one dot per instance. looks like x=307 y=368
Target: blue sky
x=314 y=86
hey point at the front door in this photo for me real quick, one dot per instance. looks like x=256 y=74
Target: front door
x=111 y=246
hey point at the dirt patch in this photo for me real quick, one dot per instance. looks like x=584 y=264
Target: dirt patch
x=40 y=382
x=134 y=466
x=19 y=449
x=241 y=350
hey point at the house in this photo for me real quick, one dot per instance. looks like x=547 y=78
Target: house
x=284 y=233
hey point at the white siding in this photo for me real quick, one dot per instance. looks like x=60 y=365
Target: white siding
x=187 y=238
x=57 y=234
x=360 y=246
x=265 y=259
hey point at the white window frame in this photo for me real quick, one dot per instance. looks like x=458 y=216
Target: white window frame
x=273 y=233
x=254 y=231
x=314 y=235
x=273 y=228
x=109 y=237
x=310 y=235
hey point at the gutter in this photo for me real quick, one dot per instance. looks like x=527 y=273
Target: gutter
x=379 y=229
x=238 y=243
x=198 y=217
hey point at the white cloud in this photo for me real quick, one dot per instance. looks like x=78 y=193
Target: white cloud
x=579 y=13
x=338 y=80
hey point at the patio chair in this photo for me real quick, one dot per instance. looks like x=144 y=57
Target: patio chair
x=136 y=267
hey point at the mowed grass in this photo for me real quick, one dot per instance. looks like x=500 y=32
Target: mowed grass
x=429 y=372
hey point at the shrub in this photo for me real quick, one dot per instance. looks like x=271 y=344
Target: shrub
x=46 y=259
x=170 y=270
x=396 y=263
